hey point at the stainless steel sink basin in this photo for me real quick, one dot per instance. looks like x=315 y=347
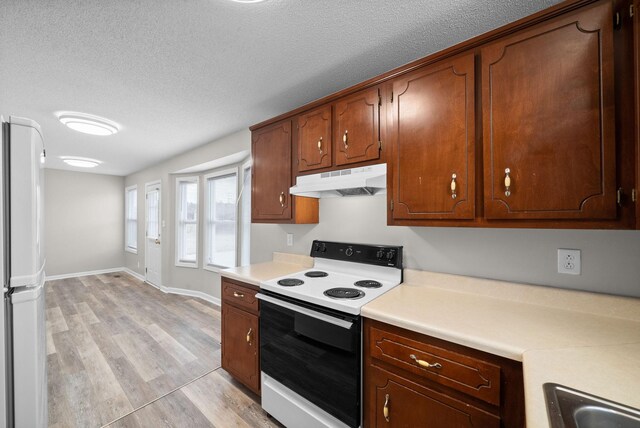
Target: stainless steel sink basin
x=569 y=408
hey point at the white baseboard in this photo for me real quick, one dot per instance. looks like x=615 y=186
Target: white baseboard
x=191 y=293
x=168 y=290
x=133 y=273
x=77 y=274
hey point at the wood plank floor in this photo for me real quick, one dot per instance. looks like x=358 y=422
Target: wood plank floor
x=115 y=346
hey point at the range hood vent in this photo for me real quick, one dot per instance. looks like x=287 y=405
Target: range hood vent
x=367 y=180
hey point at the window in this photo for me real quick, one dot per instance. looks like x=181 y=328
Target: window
x=131 y=219
x=153 y=213
x=221 y=213
x=187 y=221
x=245 y=194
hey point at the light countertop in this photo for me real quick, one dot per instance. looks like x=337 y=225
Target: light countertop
x=282 y=264
x=582 y=340
x=586 y=341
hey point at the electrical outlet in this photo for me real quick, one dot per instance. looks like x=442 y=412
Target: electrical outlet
x=569 y=261
x=289 y=239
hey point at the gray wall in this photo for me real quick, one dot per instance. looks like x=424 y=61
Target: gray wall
x=186 y=278
x=610 y=259
x=83 y=221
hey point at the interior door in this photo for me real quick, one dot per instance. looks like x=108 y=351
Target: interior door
x=153 y=263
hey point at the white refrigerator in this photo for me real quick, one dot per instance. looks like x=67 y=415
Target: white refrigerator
x=23 y=384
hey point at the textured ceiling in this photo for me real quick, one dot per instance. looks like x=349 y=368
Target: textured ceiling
x=177 y=74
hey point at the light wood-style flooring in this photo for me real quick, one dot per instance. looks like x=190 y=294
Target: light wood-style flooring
x=121 y=353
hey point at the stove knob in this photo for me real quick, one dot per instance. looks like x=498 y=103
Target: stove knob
x=380 y=254
x=391 y=254
x=323 y=248
x=349 y=251
x=316 y=247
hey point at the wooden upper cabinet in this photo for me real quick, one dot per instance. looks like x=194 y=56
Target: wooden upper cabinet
x=548 y=120
x=432 y=132
x=356 y=132
x=314 y=139
x=271 y=180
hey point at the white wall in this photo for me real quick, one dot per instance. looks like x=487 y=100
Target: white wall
x=610 y=259
x=198 y=280
x=83 y=221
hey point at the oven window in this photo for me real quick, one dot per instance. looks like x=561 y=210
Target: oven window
x=318 y=360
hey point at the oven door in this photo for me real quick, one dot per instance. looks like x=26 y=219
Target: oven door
x=314 y=352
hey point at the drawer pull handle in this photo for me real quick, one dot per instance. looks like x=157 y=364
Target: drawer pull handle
x=385 y=409
x=320 y=145
x=425 y=364
x=345 y=140
x=282 y=199
x=249 y=335
x=236 y=294
x=453 y=186
x=507 y=182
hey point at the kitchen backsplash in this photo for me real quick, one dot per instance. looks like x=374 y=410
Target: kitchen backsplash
x=610 y=259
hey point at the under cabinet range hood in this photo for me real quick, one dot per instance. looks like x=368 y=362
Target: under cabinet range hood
x=366 y=180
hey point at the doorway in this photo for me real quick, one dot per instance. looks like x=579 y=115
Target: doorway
x=153 y=226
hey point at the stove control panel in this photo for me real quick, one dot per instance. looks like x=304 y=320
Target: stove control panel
x=380 y=255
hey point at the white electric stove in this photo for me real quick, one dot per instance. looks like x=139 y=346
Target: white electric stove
x=311 y=333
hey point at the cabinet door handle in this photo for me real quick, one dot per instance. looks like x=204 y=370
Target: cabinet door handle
x=282 y=199
x=425 y=364
x=249 y=335
x=345 y=139
x=385 y=409
x=453 y=186
x=320 y=145
x=507 y=182
x=236 y=294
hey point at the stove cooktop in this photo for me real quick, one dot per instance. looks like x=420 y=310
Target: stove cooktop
x=367 y=282
x=344 y=276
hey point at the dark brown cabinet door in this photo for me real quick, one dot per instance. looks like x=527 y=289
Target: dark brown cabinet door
x=398 y=402
x=271 y=180
x=433 y=135
x=314 y=139
x=356 y=133
x=240 y=346
x=548 y=120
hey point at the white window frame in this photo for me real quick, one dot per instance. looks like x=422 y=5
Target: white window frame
x=184 y=263
x=244 y=185
x=127 y=248
x=207 y=234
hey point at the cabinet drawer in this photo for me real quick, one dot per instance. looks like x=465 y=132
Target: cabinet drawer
x=239 y=296
x=466 y=374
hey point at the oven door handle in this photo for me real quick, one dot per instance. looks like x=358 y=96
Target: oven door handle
x=304 y=311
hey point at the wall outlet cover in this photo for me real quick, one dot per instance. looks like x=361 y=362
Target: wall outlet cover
x=289 y=239
x=569 y=261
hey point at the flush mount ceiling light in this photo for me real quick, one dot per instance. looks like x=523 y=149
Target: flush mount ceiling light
x=80 y=162
x=88 y=123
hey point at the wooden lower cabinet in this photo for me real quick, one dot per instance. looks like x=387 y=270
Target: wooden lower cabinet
x=414 y=380
x=240 y=333
x=398 y=402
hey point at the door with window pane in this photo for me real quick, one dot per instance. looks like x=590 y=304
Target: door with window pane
x=131 y=219
x=221 y=221
x=153 y=252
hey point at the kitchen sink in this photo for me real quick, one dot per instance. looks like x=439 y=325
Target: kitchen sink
x=569 y=408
